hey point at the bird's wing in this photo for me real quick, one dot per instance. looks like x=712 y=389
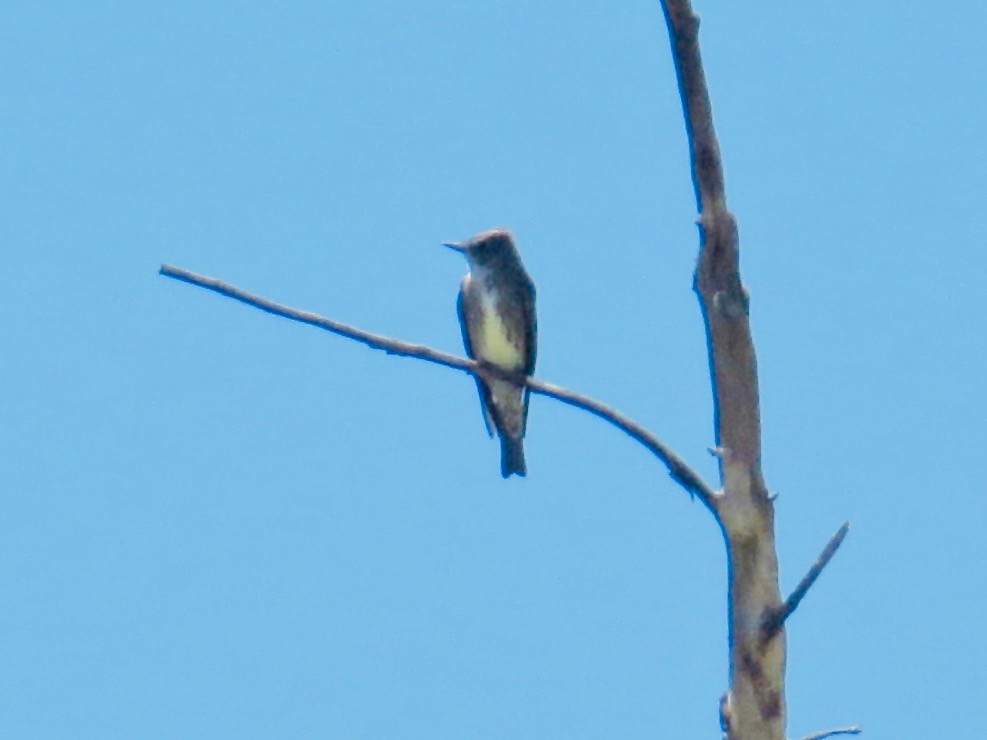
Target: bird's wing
x=481 y=387
x=530 y=330
x=531 y=344
x=521 y=313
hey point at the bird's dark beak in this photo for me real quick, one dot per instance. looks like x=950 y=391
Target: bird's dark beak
x=454 y=245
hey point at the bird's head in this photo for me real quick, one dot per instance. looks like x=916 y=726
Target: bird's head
x=485 y=247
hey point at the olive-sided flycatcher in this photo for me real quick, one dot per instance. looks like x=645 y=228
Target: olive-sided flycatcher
x=497 y=317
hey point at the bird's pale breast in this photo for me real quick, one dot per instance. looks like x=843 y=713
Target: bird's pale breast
x=494 y=343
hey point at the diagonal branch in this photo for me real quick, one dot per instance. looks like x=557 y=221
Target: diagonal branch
x=679 y=470
x=776 y=619
x=855 y=730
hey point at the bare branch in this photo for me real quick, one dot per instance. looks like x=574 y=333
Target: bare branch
x=855 y=730
x=757 y=668
x=677 y=467
x=717 y=279
x=777 y=618
x=374 y=341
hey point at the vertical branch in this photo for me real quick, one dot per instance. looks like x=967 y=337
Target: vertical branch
x=755 y=705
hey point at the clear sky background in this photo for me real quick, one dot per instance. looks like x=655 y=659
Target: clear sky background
x=216 y=523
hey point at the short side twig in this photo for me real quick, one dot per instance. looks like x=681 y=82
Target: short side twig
x=677 y=467
x=855 y=730
x=776 y=619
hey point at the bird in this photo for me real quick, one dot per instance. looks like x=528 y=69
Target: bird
x=496 y=308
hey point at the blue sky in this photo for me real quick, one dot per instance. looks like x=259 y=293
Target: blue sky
x=216 y=523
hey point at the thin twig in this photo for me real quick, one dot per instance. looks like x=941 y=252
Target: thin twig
x=677 y=467
x=855 y=730
x=374 y=341
x=777 y=618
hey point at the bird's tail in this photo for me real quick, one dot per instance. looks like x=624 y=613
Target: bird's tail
x=512 y=457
